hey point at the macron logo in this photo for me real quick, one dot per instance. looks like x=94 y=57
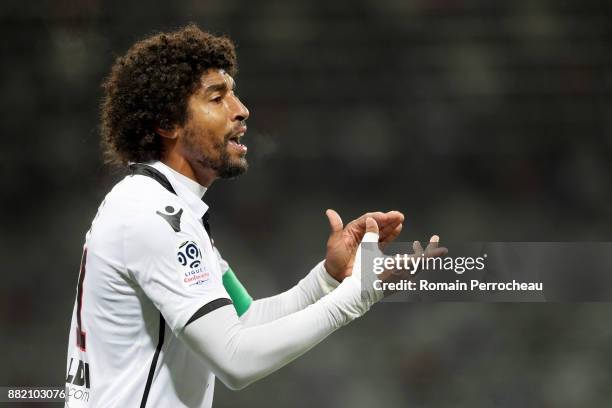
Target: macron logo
x=172 y=217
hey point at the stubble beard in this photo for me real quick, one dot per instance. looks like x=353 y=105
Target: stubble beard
x=222 y=164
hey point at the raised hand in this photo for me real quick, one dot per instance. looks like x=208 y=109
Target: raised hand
x=343 y=241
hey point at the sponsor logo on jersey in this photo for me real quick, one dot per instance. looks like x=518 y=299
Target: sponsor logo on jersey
x=78 y=373
x=78 y=381
x=193 y=272
x=172 y=217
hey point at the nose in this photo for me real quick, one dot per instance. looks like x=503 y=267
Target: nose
x=241 y=111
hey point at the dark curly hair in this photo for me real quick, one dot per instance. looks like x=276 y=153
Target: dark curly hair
x=149 y=86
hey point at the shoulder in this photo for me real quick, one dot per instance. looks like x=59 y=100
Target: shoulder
x=141 y=207
x=140 y=199
x=152 y=216
x=136 y=191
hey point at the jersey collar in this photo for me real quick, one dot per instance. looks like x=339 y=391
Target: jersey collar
x=187 y=189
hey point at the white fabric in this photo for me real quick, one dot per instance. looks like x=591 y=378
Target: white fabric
x=182 y=180
x=239 y=355
x=189 y=191
x=133 y=272
x=311 y=288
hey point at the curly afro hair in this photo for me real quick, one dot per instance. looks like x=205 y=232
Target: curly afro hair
x=149 y=86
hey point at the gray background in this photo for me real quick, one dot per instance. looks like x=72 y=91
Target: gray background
x=480 y=120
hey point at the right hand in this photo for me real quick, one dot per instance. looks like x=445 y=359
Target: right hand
x=433 y=250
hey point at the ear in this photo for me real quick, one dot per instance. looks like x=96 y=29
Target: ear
x=167 y=133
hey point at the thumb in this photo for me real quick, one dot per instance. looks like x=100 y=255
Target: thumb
x=371 y=234
x=335 y=222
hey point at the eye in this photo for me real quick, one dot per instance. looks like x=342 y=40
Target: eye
x=217 y=99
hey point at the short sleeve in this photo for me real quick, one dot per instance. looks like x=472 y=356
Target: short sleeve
x=178 y=271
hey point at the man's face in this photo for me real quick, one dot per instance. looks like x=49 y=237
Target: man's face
x=216 y=122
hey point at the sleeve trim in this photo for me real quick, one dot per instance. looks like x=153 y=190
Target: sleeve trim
x=209 y=307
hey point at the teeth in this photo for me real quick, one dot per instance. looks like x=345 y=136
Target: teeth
x=236 y=138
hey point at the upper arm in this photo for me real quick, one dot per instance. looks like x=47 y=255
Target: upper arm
x=177 y=271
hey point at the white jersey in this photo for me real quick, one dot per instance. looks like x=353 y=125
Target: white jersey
x=148 y=270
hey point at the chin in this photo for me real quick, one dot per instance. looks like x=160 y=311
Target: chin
x=233 y=169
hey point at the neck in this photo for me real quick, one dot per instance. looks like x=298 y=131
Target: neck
x=196 y=172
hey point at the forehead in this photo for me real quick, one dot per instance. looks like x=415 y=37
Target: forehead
x=216 y=76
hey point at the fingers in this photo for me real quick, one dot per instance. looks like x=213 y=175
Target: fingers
x=417 y=248
x=393 y=234
x=389 y=220
x=335 y=222
x=371 y=234
x=371 y=225
x=433 y=250
x=394 y=217
x=385 y=239
x=377 y=216
x=384 y=219
x=390 y=224
x=433 y=243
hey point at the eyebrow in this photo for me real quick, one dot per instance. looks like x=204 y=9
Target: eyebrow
x=220 y=87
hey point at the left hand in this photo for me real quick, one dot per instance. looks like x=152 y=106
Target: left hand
x=343 y=241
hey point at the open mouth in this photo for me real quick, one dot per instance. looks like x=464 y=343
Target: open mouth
x=235 y=143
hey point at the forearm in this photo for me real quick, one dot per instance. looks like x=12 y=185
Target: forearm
x=239 y=355
x=310 y=289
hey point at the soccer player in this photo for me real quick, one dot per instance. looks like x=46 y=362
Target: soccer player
x=158 y=312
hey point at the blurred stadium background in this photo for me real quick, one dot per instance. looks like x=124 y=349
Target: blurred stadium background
x=480 y=120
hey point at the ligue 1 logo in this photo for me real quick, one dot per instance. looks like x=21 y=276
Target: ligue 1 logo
x=189 y=254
